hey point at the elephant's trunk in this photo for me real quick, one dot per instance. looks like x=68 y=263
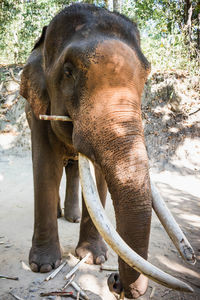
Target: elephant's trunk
x=121 y=153
x=127 y=176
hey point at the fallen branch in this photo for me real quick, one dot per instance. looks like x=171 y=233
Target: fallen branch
x=9 y=277
x=166 y=293
x=79 y=290
x=57 y=293
x=77 y=266
x=54 y=273
x=68 y=282
x=13 y=76
x=15 y=296
x=108 y=268
x=152 y=292
x=194 y=112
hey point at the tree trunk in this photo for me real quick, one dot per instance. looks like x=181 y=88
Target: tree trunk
x=117 y=5
x=106 y=3
x=189 y=22
x=198 y=32
x=188 y=9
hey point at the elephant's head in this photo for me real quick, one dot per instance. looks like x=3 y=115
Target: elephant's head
x=88 y=65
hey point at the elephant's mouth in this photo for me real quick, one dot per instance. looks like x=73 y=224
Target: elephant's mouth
x=110 y=235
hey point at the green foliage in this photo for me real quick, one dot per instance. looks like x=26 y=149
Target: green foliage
x=169 y=52
x=21 y=24
x=164 y=32
x=165 y=38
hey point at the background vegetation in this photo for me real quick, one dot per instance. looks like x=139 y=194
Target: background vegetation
x=170 y=29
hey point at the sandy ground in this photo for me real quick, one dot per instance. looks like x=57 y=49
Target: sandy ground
x=174 y=149
x=16 y=224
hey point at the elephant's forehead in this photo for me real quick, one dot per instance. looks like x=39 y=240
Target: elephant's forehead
x=114 y=64
x=115 y=53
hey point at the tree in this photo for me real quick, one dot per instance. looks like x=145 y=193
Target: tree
x=117 y=5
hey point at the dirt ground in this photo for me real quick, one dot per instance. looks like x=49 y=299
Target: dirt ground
x=174 y=160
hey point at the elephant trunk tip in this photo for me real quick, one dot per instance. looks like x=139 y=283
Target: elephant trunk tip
x=135 y=290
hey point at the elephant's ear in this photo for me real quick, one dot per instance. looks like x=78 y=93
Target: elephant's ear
x=33 y=85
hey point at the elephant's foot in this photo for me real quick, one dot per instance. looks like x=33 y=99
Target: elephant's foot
x=44 y=258
x=96 y=248
x=73 y=213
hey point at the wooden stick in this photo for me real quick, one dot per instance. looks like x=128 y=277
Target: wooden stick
x=78 y=289
x=13 y=76
x=8 y=277
x=108 y=268
x=15 y=296
x=55 y=118
x=54 y=273
x=68 y=282
x=78 y=296
x=77 y=266
x=152 y=292
x=56 y=293
x=194 y=112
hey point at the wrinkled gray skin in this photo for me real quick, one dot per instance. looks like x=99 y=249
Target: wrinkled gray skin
x=88 y=65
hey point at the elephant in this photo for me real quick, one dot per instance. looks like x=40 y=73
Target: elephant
x=88 y=68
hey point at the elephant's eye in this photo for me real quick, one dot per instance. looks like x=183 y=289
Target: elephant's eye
x=68 y=70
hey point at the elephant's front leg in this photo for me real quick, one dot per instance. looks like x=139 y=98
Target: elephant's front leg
x=90 y=241
x=45 y=253
x=72 y=211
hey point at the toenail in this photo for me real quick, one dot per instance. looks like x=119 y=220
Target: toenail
x=77 y=220
x=100 y=260
x=57 y=263
x=34 y=267
x=45 y=268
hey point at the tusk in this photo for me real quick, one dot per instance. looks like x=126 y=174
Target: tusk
x=110 y=235
x=55 y=118
x=175 y=233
